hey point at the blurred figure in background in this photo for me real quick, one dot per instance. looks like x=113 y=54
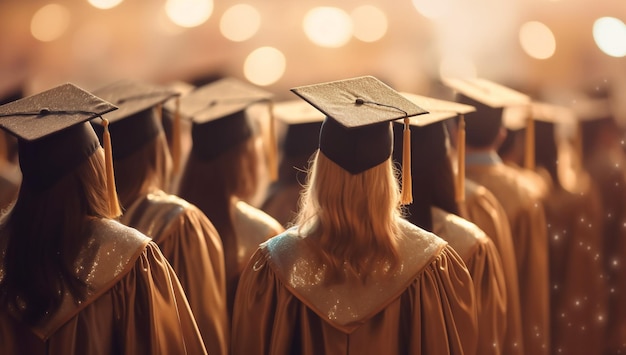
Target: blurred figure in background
x=435 y=209
x=605 y=161
x=484 y=133
x=72 y=279
x=300 y=140
x=222 y=170
x=186 y=237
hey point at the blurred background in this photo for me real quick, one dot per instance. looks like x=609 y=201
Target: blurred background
x=532 y=45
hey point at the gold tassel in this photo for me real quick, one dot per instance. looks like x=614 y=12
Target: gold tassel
x=529 y=154
x=407 y=184
x=176 y=139
x=460 y=176
x=114 y=205
x=272 y=153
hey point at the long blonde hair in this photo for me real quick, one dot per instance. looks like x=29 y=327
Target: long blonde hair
x=351 y=220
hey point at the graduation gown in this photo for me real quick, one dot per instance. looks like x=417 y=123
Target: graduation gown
x=578 y=299
x=484 y=210
x=529 y=232
x=427 y=307
x=135 y=304
x=252 y=227
x=194 y=250
x=483 y=263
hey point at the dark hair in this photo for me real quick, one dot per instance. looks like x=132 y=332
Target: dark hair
x=546 y=153
x=44 y=232
x=431 y=170
x=483 y=125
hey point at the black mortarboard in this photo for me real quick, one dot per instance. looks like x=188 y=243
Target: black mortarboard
x=218 y=112
x=303 y=127
x=135 y=123
x=53 y=135
x=356 y=133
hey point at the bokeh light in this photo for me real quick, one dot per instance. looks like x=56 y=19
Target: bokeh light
x=537 y=40
x=50 y=22
x=328 y=26
x=240 y=22
x=105 y=4
x=370 y=23
x=609 y=34
x=189 y=13
x=432 y=9
x=265 y=66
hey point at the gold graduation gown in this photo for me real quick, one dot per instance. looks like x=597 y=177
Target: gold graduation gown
x=135 y=304
x=578 y=299
x=426 y=307
x=529 y=231
x=484 y=210
x=252 y=227
x=194 y=250
x=483 y=263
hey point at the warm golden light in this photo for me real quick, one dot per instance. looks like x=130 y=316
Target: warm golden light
x=370 y=23
x=328 y=26
x=264 y=66
x=105 y=4
x=432 y=9
x=457 y=66
x=240 y=22
x=189 y=13
x=609 y=34
x=537 y=40
x=50 y=22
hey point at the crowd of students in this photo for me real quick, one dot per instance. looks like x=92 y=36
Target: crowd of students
x=392 y=223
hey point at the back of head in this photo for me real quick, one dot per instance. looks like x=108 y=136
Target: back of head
x=432 y=175
x=482 y=126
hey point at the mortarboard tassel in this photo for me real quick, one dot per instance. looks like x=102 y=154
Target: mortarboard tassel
x=460 y=176
x=529 y=154
x=272 y=154
x=407 y=184
x=114 y=205
x=176 y=143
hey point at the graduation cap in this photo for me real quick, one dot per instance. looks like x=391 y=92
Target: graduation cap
x=438 y=112
x=356 y=133
x=218 y=113
x=53 y=135
x=135 y=123
x=303 y=123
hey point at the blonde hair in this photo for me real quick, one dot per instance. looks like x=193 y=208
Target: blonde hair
x=351 y=220
x=144 y=170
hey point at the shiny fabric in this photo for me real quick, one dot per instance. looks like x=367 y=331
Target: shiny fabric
x=135 y=306
x=578 y=298
x=283 y=305
x=483 y=263
x=484 y=210
x=193 y=248
x=529 y=231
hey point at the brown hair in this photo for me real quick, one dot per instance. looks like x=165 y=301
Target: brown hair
x=44 y=232
x=351 y=220
x=147 y=168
